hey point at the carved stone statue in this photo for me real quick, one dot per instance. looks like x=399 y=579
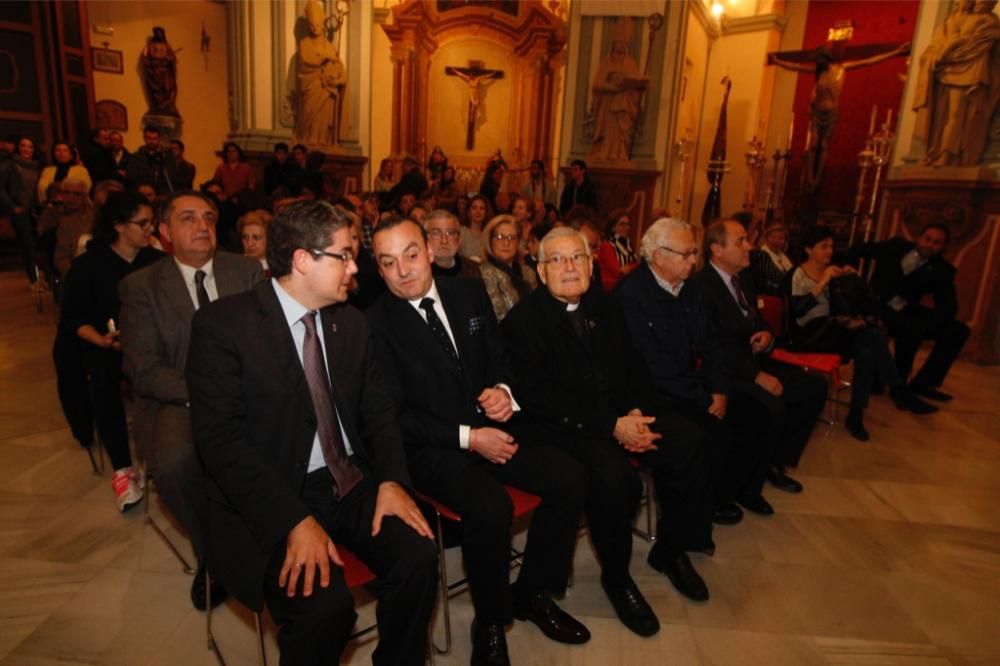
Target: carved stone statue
x=617 y=88
x=958 y=86
x=159 y=73
x=321 y=79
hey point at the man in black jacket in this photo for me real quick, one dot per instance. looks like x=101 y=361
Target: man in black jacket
x=578 y=190
x=303 y=451
x=413 y=182
x=671 y=329
x=904 y=273
x=791 y=398
x=584 y=388
x=444 y=362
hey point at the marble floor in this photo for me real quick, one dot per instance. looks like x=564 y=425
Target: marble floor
x=891 y=556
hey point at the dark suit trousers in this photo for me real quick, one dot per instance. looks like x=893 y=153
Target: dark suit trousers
x=682 y=470
x=72 y=385
x=315 y=629
x=792 y=416
x=917 y=323
x=473 y=487
x=178 y=473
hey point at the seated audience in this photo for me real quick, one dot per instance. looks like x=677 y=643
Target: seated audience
x=95 y=154
x=539 y=188
x=446 y=190
x=157 y=304
x=234 y=173
x=463 y=440
x=64 y=165
x=90 y=308
x=104 y=188
x=790 y=398
x=538 y=232
x=147 y=190
x=492 y=182
x=18 y=197
x=906 y=272
x=119 y=154
x=417 y=213
x=443 y=233
x=412 y=182
x=583 y=388
x=579 y=189
x=616 y=256
x=852 y=334
x=366 y=285
x=153 y=162
x=437 y=164
x=311 y=455
x=252 y=228
x=66 y=227
x=502 y=203
x=480 y=211
x=384 y=180
x=507 y=280
x=185 y=170
x=769 y=265
x=278 y=168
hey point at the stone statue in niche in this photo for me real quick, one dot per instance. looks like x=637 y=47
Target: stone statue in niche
x=617 y=87
x=958 y=86
x=159 y=74
x=321 y=78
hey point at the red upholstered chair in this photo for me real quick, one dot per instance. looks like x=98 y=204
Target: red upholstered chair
x=356 y=574
x=773 y=312
x=523 y=504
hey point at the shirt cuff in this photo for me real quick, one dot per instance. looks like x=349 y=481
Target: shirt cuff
x=513 y=403
x=464 y=436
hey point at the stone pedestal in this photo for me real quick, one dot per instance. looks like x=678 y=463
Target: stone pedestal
x=971 y=211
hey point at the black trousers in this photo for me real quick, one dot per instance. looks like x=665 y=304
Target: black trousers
x=314 y=630
x=104 y=372
x=682 y=470
x=917 y=323
x=473 y=487
x=72 y=386
x=791 y=417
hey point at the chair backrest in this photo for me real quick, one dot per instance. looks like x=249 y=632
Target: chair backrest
x=772 y=311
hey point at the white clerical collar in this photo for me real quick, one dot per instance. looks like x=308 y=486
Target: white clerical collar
x=572 y=307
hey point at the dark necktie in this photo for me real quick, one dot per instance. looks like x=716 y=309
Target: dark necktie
x=437 y=328
x=740 y=298
x=345 y=474
x=199 y=286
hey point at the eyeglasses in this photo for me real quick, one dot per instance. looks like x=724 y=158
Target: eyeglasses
x=505 y=237
x=346 y=256
x=580 y=259
x=686 y=254
x=451 y=234
x=142 y=224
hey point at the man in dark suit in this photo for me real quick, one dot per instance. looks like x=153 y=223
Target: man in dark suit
x=444 y=361
x=303 y=451
x=670 y=328
x=584 y=388
x=578 y=190
x=904 y=273
x=791 y=399
x=412 y=182
x=157 y=304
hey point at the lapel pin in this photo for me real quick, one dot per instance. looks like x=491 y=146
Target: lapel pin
x=333 y=328
x=591 y=323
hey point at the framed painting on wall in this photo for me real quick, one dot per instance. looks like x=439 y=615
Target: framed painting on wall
x=107 y=60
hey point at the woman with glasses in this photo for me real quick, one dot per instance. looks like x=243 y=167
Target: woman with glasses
x=507 y=280
x=120 y=246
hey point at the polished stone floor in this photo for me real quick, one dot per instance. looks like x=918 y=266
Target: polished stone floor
x=891 y=556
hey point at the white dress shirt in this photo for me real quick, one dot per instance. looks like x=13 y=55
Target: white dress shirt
x=294 y=311
x=910 y=262
x=187 y=272
x=464 y=431
x=673 y=290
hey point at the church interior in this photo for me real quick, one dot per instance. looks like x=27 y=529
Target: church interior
x=578 y=113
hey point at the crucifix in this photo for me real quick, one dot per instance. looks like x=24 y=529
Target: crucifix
x=830 y=63
x=473 y=75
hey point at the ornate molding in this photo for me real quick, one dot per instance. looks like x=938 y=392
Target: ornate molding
x=758 y=23
x=706 y=20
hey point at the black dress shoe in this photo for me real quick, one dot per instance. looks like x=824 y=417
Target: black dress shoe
x=708 y=549
x=777 y=477
x=682 y=574
x=554 y=622
x=931 y=392
x=855 y=424
x=632 y=608
x=756 y=504
x=489 y=645
x=727 y=514
x=904 y=399
x=199 y=591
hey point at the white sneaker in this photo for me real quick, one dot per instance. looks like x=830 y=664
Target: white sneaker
x=127 y=490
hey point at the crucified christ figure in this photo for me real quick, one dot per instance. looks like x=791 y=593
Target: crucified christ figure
x=473 y=75
x=830 y=65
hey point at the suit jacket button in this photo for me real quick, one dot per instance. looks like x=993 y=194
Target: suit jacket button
x=565 y=419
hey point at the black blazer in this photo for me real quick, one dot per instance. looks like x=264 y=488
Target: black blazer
x=673 y=334
x=568 y=388
x=254 y=424
x=935 y=277
x=731 y=328
x=433 y=395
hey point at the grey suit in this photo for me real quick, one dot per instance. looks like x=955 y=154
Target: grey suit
x=156 y=313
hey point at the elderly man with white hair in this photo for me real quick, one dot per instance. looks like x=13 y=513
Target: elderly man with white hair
x=586 y=390
x=671 y=330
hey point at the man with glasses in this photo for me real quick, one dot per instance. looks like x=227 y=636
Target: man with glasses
x=443 y=234
x=158 y=303
x=304 y=454
x=443 y=359
x=586 y=390
x=670 y=328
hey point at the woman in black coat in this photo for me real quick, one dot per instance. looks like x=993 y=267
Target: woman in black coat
x=90 y=307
